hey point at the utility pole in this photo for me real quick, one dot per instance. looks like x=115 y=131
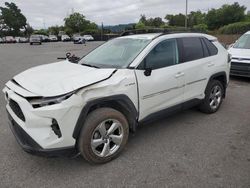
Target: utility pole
x=186 y=19
x=44 y=25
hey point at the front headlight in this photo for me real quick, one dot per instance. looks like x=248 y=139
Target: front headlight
x=45 y=101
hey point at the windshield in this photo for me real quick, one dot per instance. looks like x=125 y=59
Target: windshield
x=116 y=53
x=243 y=42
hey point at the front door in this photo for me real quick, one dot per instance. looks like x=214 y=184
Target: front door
x=160 y=79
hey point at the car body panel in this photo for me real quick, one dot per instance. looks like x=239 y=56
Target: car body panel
x=55 y=79
x=38 y=120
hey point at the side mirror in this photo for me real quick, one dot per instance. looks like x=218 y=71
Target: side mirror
x=147 y=70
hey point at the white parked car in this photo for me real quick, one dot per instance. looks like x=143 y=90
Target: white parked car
x=1 y=40
x=65 y=38
x=22 y=40
x=90 y=107
x=53 y=38
x=76 y=37
x=240 y=52
x=88 y=37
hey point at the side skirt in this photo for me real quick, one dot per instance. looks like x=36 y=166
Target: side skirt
x=170 y=111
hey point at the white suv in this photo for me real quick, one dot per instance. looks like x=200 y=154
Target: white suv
x=240 y=52
x=90 y=107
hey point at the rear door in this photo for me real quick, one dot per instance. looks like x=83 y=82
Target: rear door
x=196 y=62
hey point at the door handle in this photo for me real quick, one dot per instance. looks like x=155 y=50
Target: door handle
x=179 y=74
x=210 y=64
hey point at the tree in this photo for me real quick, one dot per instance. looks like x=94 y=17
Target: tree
x=143 y=19
x=12 y=18
x=140 y=25
x=77 y=23
x=151 y=22
x=176 y=20
x=54 y=30
x=2 y=24
x=225 y=15
x=41 y=32
x=29 y=30
x=196 y=18
x=155 y=22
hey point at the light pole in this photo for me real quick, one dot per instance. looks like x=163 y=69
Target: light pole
x=186 y=18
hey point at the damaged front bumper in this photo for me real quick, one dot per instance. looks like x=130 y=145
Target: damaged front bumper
x=29 y=145
x=34 y=128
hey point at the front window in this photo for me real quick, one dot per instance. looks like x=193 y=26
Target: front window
x=164 y=54
x=243 y=42
x=117 y=53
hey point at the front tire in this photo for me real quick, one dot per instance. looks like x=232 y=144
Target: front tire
x=103 y=136
x=213 y=97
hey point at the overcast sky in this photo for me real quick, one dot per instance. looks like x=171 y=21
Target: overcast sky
x=110 y=12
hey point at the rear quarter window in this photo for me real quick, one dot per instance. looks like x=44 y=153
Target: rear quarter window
x=211 y=47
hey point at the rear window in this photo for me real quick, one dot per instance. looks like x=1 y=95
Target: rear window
x=192 y=49
x=205 y=49
x=211 y=47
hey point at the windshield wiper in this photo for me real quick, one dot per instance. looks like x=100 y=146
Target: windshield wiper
x=88 y=65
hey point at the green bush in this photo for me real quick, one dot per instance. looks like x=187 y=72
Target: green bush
x=90 y=32
x=200 y=28
x=235 y=28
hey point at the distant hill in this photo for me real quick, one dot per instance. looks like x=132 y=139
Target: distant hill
x=119 y=28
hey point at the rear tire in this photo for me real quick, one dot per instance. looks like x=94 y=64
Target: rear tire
x=103 y=136
x=213 y=97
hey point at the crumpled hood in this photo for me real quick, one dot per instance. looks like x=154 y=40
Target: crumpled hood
x=239 y=53
x=60 y=78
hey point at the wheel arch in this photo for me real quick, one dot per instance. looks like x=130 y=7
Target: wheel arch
x=121 y=103
x=222 y=77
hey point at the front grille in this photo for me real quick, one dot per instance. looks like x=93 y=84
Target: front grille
x=240 y=65
x=241 y=59
x=16 y=109
x=240 y=69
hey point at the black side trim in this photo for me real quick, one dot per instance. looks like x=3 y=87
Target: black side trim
x=170 y=111
x=220 y=74
x=29 y=145
x=122 y=100
x=224 y=80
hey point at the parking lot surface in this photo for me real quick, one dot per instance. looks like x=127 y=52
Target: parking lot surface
x=188 y=149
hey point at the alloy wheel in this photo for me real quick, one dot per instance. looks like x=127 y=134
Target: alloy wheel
x=215 y=97
x=107 y=138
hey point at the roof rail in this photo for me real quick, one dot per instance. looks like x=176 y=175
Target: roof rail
x=157 y=30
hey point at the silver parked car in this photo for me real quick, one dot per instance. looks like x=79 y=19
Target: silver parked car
x=35 y=39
